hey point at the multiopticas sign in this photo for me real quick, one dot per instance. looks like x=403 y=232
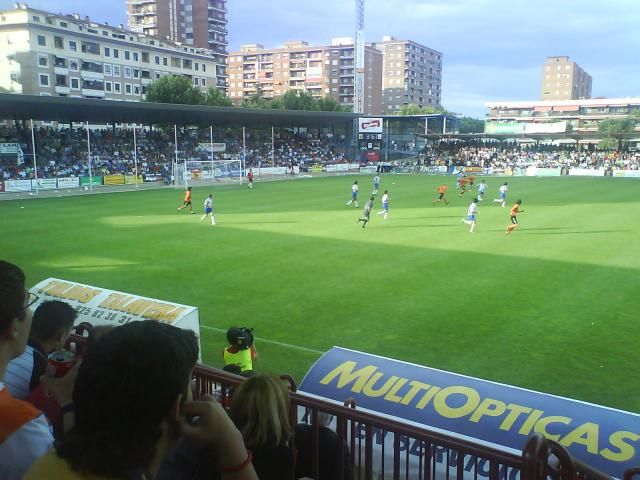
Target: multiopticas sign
x=370 y=125
x=499 y=414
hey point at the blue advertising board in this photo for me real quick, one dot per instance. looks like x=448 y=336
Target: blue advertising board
x=494 y=413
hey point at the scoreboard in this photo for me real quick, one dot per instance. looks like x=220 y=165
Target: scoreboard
x=370 y=141
x=370 y=133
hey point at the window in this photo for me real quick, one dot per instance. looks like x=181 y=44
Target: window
x=146 y=57
x=165 y=61
x=73 y=46
x=75 y=83
x=36 y=18
x=116 y=53
x=116 y=70
x=116 y=87
x=157 y=75
x=175 y=62
x=186 y=64
x=196 y=65
x=157 y=60
x=44 y=80
x=58 y=42
x=127 y=72
x=43 y=61
x=203 y=82
x=127 y=55
x=204 y=67
x=107 y=52
x=61 y=80
x=136 y=89
x=107 y=87
x=107 y=69
x=42 y=41
x=90 y=47
x=63 y=24
x=136 y=73
x=196 y=81
x=127 y=88
x=135 y=56
x=73 y=65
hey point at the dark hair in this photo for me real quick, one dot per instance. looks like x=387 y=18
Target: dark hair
x=124 y=391
x=12 y=294
x=51 y=317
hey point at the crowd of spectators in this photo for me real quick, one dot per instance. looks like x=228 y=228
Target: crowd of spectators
x=126 y=409
x=63 y=152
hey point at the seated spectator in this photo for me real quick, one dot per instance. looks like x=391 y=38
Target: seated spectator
x=260 y=410
x=24 y=432
x=52 y=323
x=131 y=402
x=329 y=445
x=241 y=351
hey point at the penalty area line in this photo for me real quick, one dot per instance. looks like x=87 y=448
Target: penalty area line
x=272 y=342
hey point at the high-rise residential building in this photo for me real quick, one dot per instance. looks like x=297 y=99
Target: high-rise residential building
x=411 y=74
x=65 y=55
x=201 y=23
x=564 y=79
x=323 y=71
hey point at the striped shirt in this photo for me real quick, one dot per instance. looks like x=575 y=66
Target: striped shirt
x=24 y=372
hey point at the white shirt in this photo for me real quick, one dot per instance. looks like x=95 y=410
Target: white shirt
x=208 y=202
x=385 y=198
x=482 y=187
x=354 y=188
x=473 y=208
x=376 y=179
x=503 y=189
x=18 y=376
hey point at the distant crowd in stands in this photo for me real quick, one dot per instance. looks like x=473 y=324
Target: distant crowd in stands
x=511 y=155
x=127 y=411
x=62 y=152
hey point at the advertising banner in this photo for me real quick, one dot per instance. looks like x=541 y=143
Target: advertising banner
x=316 y=169
x=17 y=186
x=493 y=413
x=152 y=178
x=369 y=169
x=90 y=181
x=44 y=184
x=69 y=182
x=504 y=127
x=586 y=172
x=1 y=186
x=474 y=170
x=101 y=306
x=626 y=173
x=9 y=148
x=342 y=167
x=131 y=179
x=354 y=166
x=330 y=168
x=553 y=127
x=370 y=125
x=217 y=147
x=114 y=179
x=264 y=171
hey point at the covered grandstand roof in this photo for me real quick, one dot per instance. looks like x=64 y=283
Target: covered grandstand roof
x=67 y=110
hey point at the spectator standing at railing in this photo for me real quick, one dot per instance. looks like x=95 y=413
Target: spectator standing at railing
x=50 y=328
x=132 y=400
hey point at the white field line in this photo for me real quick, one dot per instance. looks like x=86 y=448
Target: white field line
x=272 y=342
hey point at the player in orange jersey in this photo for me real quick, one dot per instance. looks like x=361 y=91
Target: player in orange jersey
x=187 y=201
x=463 y=185
x=471 y=180
x=442 y=189
x=515 y=210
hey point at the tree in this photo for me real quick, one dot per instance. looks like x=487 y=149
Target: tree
x=614 y=126
x=412 y=109
x=174 y=89
x=608 y=143
x=470 y=125
x=216 y=98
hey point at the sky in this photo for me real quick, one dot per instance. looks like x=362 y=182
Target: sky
x=492 y=49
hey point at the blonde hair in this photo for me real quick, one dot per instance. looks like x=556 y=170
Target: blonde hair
x=260 y=410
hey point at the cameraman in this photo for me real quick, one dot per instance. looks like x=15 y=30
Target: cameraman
x=241 y=350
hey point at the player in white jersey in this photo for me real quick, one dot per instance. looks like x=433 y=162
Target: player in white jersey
x=385 y=205
x=472 y=213
x=354 y=194
x=482 y=187
x=208 y=209
x=376 y=184
x=503 y=195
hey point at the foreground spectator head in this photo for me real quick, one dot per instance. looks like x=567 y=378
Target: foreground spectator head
x=127 y=398
x=15 y=313
x=52 y=323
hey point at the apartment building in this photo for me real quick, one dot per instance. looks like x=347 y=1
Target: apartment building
x=323 y=71
x=199 y=23
x=65 y=55
x=411 y=74
x=564 y=79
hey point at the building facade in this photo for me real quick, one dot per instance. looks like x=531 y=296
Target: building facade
x=323 y=71
x=558 y=116
x=199 y=23
x=411 y=74
x=46 y=54
x=564 y=79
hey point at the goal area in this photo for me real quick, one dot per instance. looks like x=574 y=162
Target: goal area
x=194 y=173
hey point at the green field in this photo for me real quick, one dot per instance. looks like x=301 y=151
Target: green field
x=553 y=307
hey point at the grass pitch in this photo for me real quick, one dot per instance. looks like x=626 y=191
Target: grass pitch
x=552 y=307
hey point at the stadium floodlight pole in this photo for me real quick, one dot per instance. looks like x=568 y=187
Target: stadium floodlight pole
x=244 y=154
x=175 y=145
x=89 y=157
x=35 y=164
x=135 y=154
x=444 y=124
x=273 y=147
x=213 y=173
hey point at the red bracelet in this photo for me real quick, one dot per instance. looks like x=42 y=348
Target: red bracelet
x=237 y=468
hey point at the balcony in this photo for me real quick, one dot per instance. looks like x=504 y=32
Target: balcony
x=217 y=9
x=62 y=89
x=143 y=13
x=61 y=70
x=140 y=2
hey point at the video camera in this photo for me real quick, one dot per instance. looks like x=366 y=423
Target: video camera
x=242 y=337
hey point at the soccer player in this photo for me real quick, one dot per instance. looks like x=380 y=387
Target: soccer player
x=482 y=187
x=367 y=212
x=463 y=185
x=471 y=179
x=354 y=194
x=187 y=201
x=442 y=189
x=376 y=184
x=472 y=212
x=385 y=204
x=208 y=209
x=250 y=178
x=515 y=210
x=503 y=195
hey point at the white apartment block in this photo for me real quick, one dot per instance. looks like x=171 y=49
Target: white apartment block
x=64 y=55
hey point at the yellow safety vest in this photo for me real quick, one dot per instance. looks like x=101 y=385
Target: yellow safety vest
x=241 y=358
